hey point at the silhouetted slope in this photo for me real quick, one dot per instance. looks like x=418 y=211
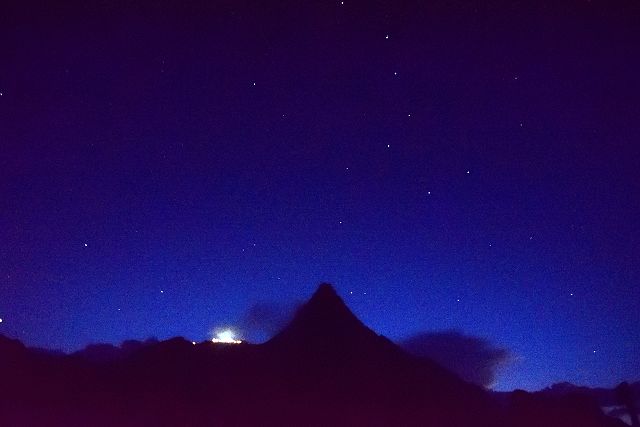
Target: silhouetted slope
x=10 y=349
x=540 y=409
x=327 y=334
x=325 y=330
x=328 y=346
x=325 y=368
x=604 y=396
x=323 y=321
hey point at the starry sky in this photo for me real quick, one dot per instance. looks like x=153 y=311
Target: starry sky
x=447 y=165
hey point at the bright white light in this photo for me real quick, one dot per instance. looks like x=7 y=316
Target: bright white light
x=227 y=337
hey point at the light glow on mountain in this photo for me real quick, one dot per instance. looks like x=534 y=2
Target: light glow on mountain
x=226 y=336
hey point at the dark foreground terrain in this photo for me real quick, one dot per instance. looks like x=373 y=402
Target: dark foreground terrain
x=324 y=368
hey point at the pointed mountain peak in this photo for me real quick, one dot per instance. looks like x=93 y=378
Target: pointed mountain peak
x=324 y=318
x=325 y=294
x=326 y=307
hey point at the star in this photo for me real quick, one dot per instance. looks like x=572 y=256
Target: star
x=468 y=172
x=429 y=193
x=395 y=73
x=0 y=320
x=161 y=291
x=85 y=245
x=388 y=145
x=387 y=37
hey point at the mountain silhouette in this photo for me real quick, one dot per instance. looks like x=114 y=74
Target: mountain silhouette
x=325 y=317
x=326 y=345
x=325 y=368
x=326 y=325
x=331 y=339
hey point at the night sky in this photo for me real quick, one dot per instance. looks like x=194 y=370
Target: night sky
x=447 y=165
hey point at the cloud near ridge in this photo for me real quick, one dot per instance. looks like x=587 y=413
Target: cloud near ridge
x=474 y=359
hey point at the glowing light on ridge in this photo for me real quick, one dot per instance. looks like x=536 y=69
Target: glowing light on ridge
x=226 y=337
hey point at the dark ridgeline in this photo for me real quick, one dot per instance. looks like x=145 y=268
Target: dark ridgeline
x=324 y=368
